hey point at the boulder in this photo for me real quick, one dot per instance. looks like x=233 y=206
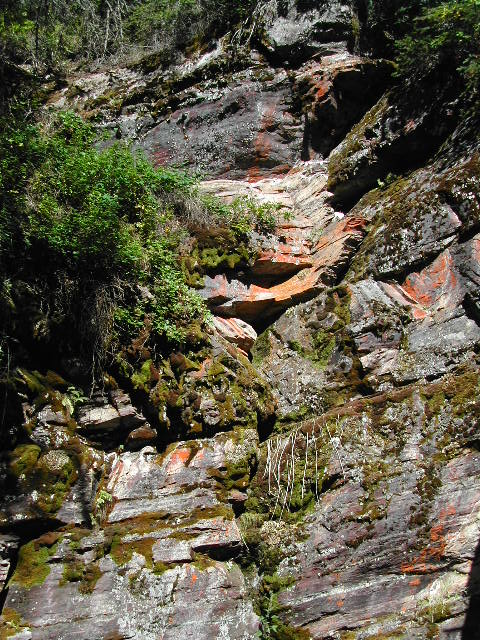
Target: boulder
x=109 y=417
x=237 y=332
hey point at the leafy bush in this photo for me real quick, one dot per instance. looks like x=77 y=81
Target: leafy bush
x=184 y=22
x=246 y=214
x=445 y=40
x=386 y=21
x=93 y=241
x=82 y=229
x=49 y=33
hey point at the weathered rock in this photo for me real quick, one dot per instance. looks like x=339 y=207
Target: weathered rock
x=329 y=257
x=335 y=92
x=134 y=602
x=252 y=126
x=390 y=542
x=294 y=33
x=141 y=437
x=361 y=521
x=391 y=138
x=109 y=417
x=177 y=484
x=164 y=514
x=236 y=331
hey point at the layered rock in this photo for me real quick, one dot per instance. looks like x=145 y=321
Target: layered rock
x=259 y=123
x=356 y=516
x=314 y=244
x=167 y=529
x=389 y=547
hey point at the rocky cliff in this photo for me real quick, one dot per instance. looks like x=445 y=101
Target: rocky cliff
x=310 y=466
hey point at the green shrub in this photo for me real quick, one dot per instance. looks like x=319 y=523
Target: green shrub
x=183 y=23
x=54 y=32
x=246 y=214
x=81 y=230
x=93 y=242
x=387 y=21
x=444 y=40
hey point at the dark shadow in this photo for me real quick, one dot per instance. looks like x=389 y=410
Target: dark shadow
x=471 y=627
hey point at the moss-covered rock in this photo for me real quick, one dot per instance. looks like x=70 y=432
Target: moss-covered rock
x=33 y=562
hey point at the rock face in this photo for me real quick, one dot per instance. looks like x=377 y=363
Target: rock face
x=259 y=122
x=168 y=536
x=311 y=469
x=314 y=244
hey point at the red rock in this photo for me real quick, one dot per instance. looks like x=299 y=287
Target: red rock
x=437 y=287
x=237 y=332
x=284 y=259
x=329 y=256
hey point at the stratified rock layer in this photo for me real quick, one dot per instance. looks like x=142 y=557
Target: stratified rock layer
x=329 y=487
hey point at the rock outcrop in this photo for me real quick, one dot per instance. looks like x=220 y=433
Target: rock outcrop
x=308 y=466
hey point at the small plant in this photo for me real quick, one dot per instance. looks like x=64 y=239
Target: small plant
x=295 y=466
x=73 y=398
x=102 y=503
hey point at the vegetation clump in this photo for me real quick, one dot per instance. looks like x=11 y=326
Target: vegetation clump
x=444 y=39
x=32 y=566
x=102 y=234
x=56 y=32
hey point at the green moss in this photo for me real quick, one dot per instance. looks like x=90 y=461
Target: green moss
x=86 y=575
x=160 y=568
x=54 y=475
x=143 y=379
x=23 y=459
x=397 y=634
x=236 y=475
x=435 y=404
x=32 y=566
x=464 y=391
x=91 y=577
x=324 y=344
x=216 y=370
x=433 y=613
x=33 y=380
x=11 y=623
x=296 y=346
x=73 y=571
x=343 y=161
x=202 y=562
x=261 y=348
x=122 y=552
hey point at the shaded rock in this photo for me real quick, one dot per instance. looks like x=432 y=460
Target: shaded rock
x=104 y=418
x=8 y=548
x=109 y=417
x=391 y=137
x=294 y=33
x=336 y=91
x=141 y=437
